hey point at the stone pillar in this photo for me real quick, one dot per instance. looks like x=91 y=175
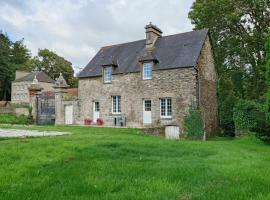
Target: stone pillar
x=34 y=91
x=60 y=88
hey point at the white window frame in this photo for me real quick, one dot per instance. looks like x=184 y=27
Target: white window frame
x=117 y=104
x=151 y=71
x=167 y=115
x=105 y=74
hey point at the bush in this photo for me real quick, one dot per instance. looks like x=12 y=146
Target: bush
x=251 y=117
x=193 y=123
x=244 y=116
x=13 y=119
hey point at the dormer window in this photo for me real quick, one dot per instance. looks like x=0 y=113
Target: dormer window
x=107 y=74
x=147 y=71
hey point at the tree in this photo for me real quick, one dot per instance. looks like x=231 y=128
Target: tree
x=13 y=56
x=238 y=30
x=21 y=56
x=267 y=104
x=5 y=60
x=53 y=64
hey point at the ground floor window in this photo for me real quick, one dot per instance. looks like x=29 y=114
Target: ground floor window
x=116 y=104
x=97 y=106
x=166 y=107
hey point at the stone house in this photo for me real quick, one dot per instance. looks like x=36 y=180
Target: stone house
x=23 y=80
x=150 y=82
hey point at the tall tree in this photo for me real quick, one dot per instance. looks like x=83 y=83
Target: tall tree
x=267 y=47
x=21 y=56
x=13 y=56
x=5 y=65
x=238 y=30
x=53 y=64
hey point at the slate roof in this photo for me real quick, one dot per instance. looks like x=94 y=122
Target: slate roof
x=174 y=51
x=41 y=77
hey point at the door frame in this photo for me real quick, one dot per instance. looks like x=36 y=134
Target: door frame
x=72 y=115
x=147 y=111
x=94 y=111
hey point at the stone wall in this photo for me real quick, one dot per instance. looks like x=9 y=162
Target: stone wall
x=21 y=111
x=63 y=99
x=6 y=110
x=207 y=93
x=179 y=84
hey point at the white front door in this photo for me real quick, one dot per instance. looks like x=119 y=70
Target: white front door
x=147 y=114
x=69 y=114
x=95 y=111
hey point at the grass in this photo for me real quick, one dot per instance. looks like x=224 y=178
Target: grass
x=122 y=164
x=13 y=119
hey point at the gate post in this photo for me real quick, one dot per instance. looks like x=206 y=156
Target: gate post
x=60 y=88
x=34 y=91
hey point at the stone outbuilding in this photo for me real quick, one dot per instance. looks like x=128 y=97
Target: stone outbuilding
x=23 y=80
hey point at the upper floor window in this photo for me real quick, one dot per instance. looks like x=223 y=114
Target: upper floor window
x=166 y=108
x=147 y=71
x=107 y=74
x=116 y=104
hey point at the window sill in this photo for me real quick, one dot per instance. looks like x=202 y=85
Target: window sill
x=107 y=82
x=146 y=79
x=115 y=113
x=166 y=118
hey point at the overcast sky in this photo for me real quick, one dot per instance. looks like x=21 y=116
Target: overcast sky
x=76 y=29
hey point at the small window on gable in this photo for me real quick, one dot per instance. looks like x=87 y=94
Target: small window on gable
x=147 y=71
x=107 y=74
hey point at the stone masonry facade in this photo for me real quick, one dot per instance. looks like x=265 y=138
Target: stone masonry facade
x=20 y=93
x=177 y=84
x=207 y=81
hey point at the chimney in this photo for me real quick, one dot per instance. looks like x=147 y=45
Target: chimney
x=152 y=34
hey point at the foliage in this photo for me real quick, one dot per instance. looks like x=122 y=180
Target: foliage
x=248 y=116
x=267 y=104
x=121 y=164
x=227 y=99
x=238 y=30
x=264 y=134
x=193 y=123
x=13 y=56
x=13 y=119
x=53 y=64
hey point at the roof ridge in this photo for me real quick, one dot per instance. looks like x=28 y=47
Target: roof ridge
x=113 y=45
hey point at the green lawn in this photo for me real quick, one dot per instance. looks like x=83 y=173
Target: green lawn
x=122 y=164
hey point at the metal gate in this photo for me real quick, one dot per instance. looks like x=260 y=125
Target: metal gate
x=45 y=108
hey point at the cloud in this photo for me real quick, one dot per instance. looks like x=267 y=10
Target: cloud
x=76 y=29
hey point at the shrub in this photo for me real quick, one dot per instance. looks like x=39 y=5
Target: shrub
x=244 y=116
x=193 y=123
x=251 y=117
x=13 y=119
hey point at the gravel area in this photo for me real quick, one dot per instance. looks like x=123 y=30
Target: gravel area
x=8 y=133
